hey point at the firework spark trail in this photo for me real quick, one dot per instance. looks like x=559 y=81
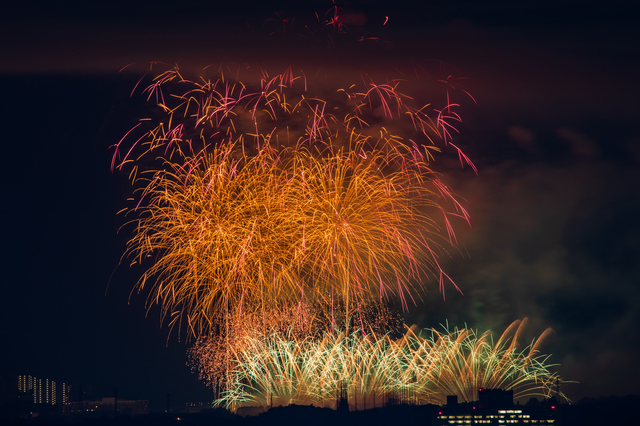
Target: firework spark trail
x=236 y=218
x=222 y=108
x=286 y=369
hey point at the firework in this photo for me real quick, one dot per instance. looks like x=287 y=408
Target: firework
x=271 y=368
x=239 y=212
x=214 y=356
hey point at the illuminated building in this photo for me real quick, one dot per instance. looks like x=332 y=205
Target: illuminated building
x=490 y=416
x=494 y=407
x=65 y=392
x=44 y=391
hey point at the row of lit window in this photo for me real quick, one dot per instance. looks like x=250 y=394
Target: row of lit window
x=490 y=416
x=517 y=421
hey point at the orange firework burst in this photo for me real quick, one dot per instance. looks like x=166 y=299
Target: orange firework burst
x=261 y=199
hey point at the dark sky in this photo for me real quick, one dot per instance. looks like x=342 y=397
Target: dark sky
x=554 y=208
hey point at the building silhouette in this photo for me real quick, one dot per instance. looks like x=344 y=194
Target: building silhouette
x=342 y=398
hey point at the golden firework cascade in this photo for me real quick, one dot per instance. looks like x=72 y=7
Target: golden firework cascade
x=265 y=366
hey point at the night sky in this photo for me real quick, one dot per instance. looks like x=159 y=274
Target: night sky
x=554 y=207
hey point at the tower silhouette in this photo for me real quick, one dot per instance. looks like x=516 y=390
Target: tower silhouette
x=342 y=397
